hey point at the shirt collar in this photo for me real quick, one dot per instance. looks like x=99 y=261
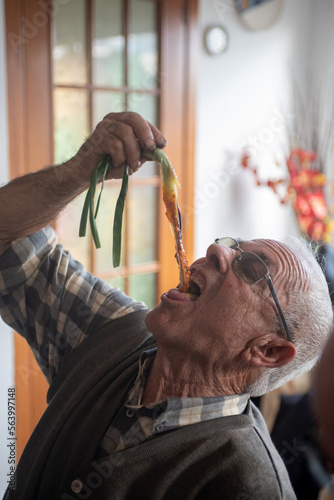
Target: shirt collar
x=145 y=362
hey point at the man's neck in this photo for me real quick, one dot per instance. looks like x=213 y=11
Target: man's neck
x=178 y=377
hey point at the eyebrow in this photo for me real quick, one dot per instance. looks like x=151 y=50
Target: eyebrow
x=263 y=256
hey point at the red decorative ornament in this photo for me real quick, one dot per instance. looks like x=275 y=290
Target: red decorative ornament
x=304 y=189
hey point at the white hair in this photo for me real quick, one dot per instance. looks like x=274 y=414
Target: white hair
x=309 y=315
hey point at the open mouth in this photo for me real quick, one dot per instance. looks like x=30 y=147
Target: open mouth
x=194 y=290
x=191 y=295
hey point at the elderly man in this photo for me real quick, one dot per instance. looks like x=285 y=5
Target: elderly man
x=152 y=405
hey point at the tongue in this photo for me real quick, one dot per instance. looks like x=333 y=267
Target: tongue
x=175 y=294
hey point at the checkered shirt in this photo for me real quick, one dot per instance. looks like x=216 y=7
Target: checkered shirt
x=51 y=300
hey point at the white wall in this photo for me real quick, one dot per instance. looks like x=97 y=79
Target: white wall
x=6 y=340
x=241 y=94
x=323 y=43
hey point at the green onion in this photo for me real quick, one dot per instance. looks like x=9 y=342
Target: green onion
x=117 y=229
x=167 y=171
x=89 y=210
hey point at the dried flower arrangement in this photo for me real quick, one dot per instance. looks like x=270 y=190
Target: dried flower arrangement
x=306 y=186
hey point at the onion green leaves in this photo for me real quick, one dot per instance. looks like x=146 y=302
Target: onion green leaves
x=90 y=212
x=100 y=169
x=118 y=218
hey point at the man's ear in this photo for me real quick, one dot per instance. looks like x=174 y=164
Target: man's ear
x=273 y=354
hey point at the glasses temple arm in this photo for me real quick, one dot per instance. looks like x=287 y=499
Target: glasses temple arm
x=278 y=307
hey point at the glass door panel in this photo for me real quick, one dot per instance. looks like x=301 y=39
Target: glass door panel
x=103 y=256
x=142 y=287
x=68 y=231
x=70 y=42
x=71 y=121
x=147 y=106
x=143 y=225
x=144 y=104
x=143 y=45
x=105 y=101
x=108 y=44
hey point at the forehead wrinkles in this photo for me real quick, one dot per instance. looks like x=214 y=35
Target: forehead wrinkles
x=286 y=264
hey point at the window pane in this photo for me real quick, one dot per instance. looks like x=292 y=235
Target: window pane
x=149 y=169
x=143 y=287
x=143 y=224
x=106 y=102
x=145 y=105
x=105 y=220
x=68 y=230
x=70 y=122
x=143 y=45
x=108 y=43
x=69 y=52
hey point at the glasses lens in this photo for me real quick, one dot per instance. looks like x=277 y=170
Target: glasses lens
x=227 y=242
x=250 y=267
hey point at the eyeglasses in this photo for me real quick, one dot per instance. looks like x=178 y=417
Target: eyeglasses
x=251 y=269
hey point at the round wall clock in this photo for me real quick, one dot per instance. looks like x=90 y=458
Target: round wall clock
x=215 y=39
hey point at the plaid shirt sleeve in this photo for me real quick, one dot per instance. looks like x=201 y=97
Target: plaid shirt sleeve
x=52 y=301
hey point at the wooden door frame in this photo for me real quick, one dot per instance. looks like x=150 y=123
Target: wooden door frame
x=31 y=144
x=30 y=140
x=177 y=112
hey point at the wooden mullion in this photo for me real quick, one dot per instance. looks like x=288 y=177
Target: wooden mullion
x=70 y=86
x=89 y=38
x=89 y=47
x=29 y=103
x=126 y=246
x=126 y=28
x=105 y=88
x=176 y=60
x=191 y=38
x=38 y=93
x=52 y=42
x=169 y=125
x=159 y=108
x=147 y=267
x=127 y=90
x=39 y=153
x=15 y=88
x=159 y=29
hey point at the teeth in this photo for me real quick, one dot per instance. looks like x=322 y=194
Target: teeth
x=197 y=281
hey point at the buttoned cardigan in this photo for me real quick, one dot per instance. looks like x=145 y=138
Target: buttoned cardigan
x=230 y=458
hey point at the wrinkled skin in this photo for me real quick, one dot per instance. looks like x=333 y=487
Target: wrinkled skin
x=221 y=342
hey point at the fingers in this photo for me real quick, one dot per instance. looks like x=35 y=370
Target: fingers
x=124 y=136
x=122 y=144
x=149 y=137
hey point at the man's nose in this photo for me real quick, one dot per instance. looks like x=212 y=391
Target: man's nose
x=220 y=257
